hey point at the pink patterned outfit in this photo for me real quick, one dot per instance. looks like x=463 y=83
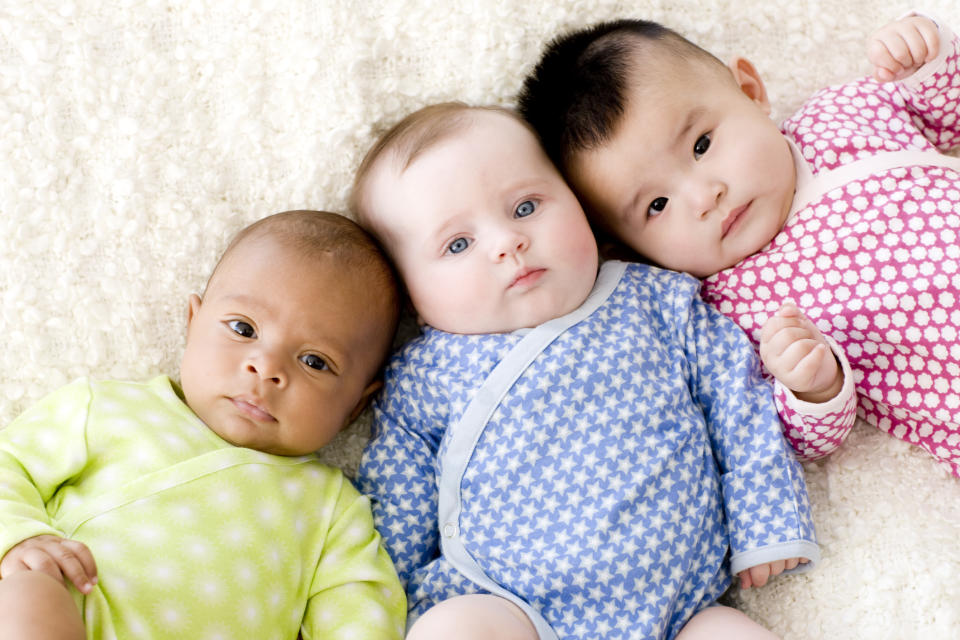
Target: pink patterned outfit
x=871 y=252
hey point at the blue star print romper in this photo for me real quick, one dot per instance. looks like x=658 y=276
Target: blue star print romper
x=607 y=471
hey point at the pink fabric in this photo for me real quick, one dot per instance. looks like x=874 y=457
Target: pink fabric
x=872 y=254
x=811 y=437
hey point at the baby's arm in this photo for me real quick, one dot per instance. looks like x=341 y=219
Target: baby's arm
x=355 y=592
x=29 y=478
x=818 y=426
x=764 y=493
x=397 y=471
x=923 y=58
x=899 y=48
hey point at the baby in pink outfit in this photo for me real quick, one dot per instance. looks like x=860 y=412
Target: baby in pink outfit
x=849 y=210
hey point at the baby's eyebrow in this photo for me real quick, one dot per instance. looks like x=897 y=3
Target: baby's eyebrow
x=631 y=206
x=626 y=213
x=242 y=299
x=681 y=132
x=445 y=228
x=692 y=116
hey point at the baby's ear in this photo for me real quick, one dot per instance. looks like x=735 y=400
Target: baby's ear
x=750 y=82
x=193 y=306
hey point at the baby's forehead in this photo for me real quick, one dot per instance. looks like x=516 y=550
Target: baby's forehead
x=404 y=158
x=669 y=93
x=454 y=130
x=670 y=75
x=411 y=171
x=342 y=265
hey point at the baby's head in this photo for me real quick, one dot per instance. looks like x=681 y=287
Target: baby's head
x=671 y=151
x=284 y=347
x=484 y=231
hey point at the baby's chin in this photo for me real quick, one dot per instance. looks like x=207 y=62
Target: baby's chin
x=722 y=263
x=505 y=316
x=476 y=326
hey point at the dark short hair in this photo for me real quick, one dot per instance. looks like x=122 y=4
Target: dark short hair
x=576 y=95
x=315 y=232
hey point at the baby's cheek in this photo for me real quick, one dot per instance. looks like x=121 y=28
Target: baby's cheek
x=585 y=250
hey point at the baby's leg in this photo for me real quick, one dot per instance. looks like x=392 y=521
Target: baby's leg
x=474 y=617
x=723 y=623
x=34 y=605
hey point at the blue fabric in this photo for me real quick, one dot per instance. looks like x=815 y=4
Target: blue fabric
x=633 y=458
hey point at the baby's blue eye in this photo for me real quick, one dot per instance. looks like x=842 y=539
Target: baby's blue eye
x=314 y=361
x=701 y=145
x=458 y=245
x=242 y=328
x=657 y=206
x=525 y=208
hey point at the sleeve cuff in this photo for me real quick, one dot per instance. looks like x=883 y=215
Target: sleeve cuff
x=923 y=74
x=782 y=551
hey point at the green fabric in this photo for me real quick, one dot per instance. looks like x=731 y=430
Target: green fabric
x=193 y=537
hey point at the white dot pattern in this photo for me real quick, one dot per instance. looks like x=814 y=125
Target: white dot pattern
x=193 y=538
x=815 y=434
x=875 y=262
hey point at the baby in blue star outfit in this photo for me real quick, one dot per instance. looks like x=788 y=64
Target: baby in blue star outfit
x=562 y=452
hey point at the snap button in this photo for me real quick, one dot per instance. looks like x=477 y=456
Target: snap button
x=449 y=530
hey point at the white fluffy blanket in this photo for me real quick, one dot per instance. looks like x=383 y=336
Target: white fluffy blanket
x=137 y=135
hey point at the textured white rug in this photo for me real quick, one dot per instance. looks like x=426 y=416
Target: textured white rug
x=137 y=135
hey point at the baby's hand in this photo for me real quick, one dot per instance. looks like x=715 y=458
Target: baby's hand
x=757 y=576
x=57 y=557
x=797 y=355
x=901 y=47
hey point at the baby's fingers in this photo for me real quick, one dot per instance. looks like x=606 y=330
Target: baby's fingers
x=802 y=351
x=804 y=358
x=928 y=32
x=755 y=576
x=34 y=559
x=77 y=563
x=891 y=58
x=900 y=48
x=787 y=316
x=777 y=567
x=56 y=557
x=909 y=49
x=791 y=343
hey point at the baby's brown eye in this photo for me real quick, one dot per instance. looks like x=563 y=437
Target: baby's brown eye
x=701 y=145
x=657 y=206
x=242 y=328
x=314 y=362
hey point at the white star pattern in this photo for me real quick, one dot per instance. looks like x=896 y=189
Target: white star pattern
x=599 y=519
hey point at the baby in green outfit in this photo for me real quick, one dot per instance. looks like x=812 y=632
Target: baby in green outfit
x=199 y=510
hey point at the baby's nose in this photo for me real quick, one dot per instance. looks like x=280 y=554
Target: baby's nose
x=511 y=244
